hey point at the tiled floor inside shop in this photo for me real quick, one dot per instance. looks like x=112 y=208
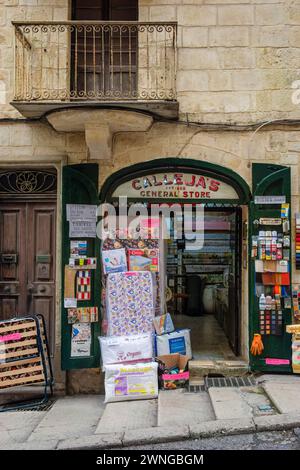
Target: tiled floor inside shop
x=209 y=341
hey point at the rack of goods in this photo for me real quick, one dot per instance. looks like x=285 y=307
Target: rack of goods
x=271 y=256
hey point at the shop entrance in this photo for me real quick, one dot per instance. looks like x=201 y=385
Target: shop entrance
x=198 y=282
x=217 y=329
x=203 y=283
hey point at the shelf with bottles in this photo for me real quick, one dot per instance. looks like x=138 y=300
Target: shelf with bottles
x=270 y=245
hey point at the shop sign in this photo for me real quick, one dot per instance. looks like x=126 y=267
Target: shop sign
x=270 y=221
x=269 y=199
x=176 y=186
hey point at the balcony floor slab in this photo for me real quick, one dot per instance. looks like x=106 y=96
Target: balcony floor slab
x=155 y=108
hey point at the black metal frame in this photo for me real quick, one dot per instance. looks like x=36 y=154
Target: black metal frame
x=44 y=354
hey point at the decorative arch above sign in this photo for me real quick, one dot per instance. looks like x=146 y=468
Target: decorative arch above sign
x=175 y=185
x=176 y=179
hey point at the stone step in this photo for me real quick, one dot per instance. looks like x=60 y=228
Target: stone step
x=72 y=416
x=229 y=403
x=21 y=394
x=201 y=368
x=126 y=415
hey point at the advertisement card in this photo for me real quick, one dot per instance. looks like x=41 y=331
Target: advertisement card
x=78 y=248
x=114 y=261
x=81 y=340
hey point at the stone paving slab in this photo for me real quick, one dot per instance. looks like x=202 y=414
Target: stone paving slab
x=176 y=408
x=16 y=426
x=34 y=445
x=279 y=378
x=258 y=400
x=96 y=441
x=121 y=416
x=158 y=434
x=222 y=427
x=285 y=396
x=228 y=403
x=72 y=416
x=277 y=422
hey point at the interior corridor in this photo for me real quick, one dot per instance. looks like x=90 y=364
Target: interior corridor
x=208 y=339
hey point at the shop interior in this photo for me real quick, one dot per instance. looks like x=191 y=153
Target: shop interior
x=203 y=283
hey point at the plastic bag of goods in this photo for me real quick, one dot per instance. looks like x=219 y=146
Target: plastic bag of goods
x=120 y=349
x=178 y=341
x=131 y=381
x=296 y=356
x=163 y=324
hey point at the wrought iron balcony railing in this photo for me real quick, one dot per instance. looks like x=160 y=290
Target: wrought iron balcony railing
x=94 y=61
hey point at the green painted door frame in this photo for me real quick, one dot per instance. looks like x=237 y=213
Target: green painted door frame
x=268 y=180
x=80 y=183
x=79 y=186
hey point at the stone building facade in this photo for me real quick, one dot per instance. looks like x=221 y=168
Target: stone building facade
x=237 y=66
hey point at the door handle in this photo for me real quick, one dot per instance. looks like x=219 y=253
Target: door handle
x=31 y=289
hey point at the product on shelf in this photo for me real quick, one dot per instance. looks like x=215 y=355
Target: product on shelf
x=270 y=322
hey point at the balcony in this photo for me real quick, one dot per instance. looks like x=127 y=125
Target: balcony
x=76 y=64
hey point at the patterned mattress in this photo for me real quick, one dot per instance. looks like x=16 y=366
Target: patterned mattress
x=130 y=303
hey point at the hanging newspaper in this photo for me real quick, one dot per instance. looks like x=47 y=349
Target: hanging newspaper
x=82 y=220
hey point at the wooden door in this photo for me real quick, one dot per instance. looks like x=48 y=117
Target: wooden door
x=27 y=263
x=12 y=260
x=41 y=263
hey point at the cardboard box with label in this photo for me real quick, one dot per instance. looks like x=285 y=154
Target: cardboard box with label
x=146 y=259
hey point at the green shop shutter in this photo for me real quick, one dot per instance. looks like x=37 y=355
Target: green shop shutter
x=268 y=180
x=79 y=186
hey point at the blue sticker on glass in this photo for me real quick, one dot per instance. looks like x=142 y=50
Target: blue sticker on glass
x=177 y=345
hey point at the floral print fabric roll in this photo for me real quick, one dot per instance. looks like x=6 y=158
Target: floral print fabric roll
x=130 y=303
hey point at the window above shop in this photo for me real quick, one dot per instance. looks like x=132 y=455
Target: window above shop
x=103 y=56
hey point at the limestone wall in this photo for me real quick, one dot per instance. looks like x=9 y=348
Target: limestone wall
x=237 y=59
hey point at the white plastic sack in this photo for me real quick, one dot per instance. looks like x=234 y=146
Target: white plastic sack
x=120 y=349
x=178 y=341
x=131 y=381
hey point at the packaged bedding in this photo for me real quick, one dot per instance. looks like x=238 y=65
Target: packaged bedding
x=118 y=349
x=178 y=341
x=131 y=381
